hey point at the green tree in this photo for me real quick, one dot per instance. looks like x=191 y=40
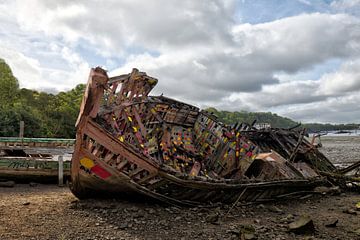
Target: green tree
x=9 y=86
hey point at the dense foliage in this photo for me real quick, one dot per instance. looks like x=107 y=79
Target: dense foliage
x=44 y=114
x=49 y=115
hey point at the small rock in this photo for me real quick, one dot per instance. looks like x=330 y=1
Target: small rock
x=350 y=211
x=139 y=214
x=151 y=211
x=275 y=209
x=26 y=203
x=8 y=184
x=134 y=209
x=169 y=210
x=33 y=184
x=123 y=226
x=328 y=190
x=247 y=232
x=357 y=231
x=303 y=225
x=332 y=224
x=212 y=218
x=261 y=206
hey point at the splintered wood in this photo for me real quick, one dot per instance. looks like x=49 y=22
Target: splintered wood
x=128 y=141
x=185 y=139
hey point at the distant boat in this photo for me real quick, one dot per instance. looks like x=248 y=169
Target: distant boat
x=31 y=159
x=343 y=132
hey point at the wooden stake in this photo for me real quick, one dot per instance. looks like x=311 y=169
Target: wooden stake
x=21 y=132
x=61 y=170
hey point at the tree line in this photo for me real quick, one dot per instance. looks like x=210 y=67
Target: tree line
x=277 y=121
x=44 y=114
x=54 y=115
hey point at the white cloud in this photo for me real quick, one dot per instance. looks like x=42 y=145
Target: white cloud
x=23 y=67
x=195 y=48
x=345 y=4
x=345 y=79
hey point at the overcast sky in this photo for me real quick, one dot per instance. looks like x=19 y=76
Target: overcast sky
x=299 y=59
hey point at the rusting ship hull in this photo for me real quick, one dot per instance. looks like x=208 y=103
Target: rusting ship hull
x=131 y=143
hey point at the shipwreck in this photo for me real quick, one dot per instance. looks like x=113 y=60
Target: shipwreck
x=129 y=142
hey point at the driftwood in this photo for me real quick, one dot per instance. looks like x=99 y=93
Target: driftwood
x=350 y=168
x=129 y=142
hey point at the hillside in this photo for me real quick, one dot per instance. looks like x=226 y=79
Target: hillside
x=248 y=117
x=276 y=120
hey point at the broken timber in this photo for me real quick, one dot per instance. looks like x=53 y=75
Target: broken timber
x=129 y=142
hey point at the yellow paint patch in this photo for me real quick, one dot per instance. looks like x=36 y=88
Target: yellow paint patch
x=86 y=162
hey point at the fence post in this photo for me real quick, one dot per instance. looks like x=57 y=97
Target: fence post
x=61 y=170
x=21 y=131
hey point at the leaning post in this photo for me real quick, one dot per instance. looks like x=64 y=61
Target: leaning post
x=61 y=170
x=21 y=132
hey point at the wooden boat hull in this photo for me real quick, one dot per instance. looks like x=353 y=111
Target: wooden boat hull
x=31 y=159
x=31 y=170
x=159 y=184
x=129 y=143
